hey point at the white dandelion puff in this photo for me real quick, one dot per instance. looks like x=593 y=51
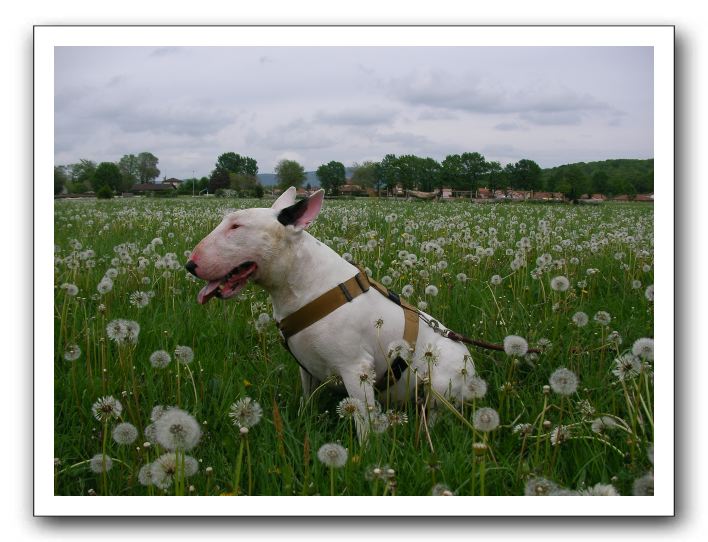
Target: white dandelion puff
x=245 y=412
x=100 y=463
x=602 y=317
x=485 y=419
x=332 y=455
x=177 y=429
x=563 y=381
x=351 y=407
x=107 y=408
x=125 y=433
x=160 y=359
x=560 y=283
x=580 y=319
x=644 y=348
x=72 y=352
x=515 y=346
x=184 y=354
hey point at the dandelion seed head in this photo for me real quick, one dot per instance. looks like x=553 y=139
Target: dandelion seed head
x=332 y=455
x=70 y=289
x=184 y=354
x=515 y=346
x=469 y=388
x=496 y=280
x=72 y=352
x=100 y=463
x=245 y=412
x=559 y=435
x=644 y=486
x=431 y=290
x=600 y=490
x=485 y=419
x=107 y=408
x=644 y=348
x=539 y=487
x=177 y=429
x=627 y=366
x=160 y=359
x=351 y=407
x=560 y=283
x=602 y=424
x=580 y=319
x=563 y=381
x=649 y=293
x=125 y=433
x=139 y=299
x=602 y=317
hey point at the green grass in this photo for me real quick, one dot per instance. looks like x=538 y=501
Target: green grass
x=234 y=360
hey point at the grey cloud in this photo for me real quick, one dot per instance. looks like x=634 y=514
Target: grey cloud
x=552 y=118
x=500 y=150
x=165 y=51
x=509 y=126
x=360 y=116
x=477 y=95
x=295 y=135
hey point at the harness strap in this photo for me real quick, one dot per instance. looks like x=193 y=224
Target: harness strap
x=342 y=294
x=323 y=305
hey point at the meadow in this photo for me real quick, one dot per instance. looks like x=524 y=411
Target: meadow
x=157 y=395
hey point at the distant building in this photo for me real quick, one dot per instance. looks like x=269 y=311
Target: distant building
x=147 y=188
x=172 y=181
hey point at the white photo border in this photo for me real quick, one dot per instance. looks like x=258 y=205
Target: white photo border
x=661 y=38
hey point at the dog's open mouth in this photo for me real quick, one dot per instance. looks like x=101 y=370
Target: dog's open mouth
x=229 y=285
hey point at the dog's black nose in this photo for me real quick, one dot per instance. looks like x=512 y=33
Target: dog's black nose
x=191 y=267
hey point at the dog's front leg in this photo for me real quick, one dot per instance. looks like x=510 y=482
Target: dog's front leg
x=358 y=379
x=309 y=383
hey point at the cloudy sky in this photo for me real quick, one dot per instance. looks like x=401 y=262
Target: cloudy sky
x=187 y=105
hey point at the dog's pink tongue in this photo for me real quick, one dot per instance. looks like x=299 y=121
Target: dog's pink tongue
x=209 y=291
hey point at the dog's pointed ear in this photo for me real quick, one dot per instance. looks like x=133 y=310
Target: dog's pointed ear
x=286 y=199
x=303 y=213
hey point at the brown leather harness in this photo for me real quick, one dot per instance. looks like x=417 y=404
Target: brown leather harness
x=342 y=294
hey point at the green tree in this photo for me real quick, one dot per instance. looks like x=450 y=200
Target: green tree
x=474 y=166
x=452 y=171
x=527 y=175
x=429 y=174
x=258 y=191
x=600 y=183
x=365 y=174
x=107 y=174
x=82 y=175
x=235 y=163
x=129 y=169
x=494 y=177
x=389 y=172
x=242 y=183
x=104 y=192
x=289 y=173
x=60 y=179
x=147 y=167
x=218 y=180
x=573 y=182
x=331 y=176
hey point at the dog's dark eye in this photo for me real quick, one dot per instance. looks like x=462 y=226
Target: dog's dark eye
x=234 y=226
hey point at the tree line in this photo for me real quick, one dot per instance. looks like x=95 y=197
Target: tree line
x=237 y=175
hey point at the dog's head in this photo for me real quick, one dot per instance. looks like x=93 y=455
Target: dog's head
x=246 y=243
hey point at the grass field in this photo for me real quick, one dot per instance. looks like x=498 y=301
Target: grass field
x=576 y=281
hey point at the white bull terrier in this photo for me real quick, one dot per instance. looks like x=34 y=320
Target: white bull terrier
x=355 y=342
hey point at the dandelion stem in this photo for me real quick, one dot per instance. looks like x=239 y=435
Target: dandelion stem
x=237 y=475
